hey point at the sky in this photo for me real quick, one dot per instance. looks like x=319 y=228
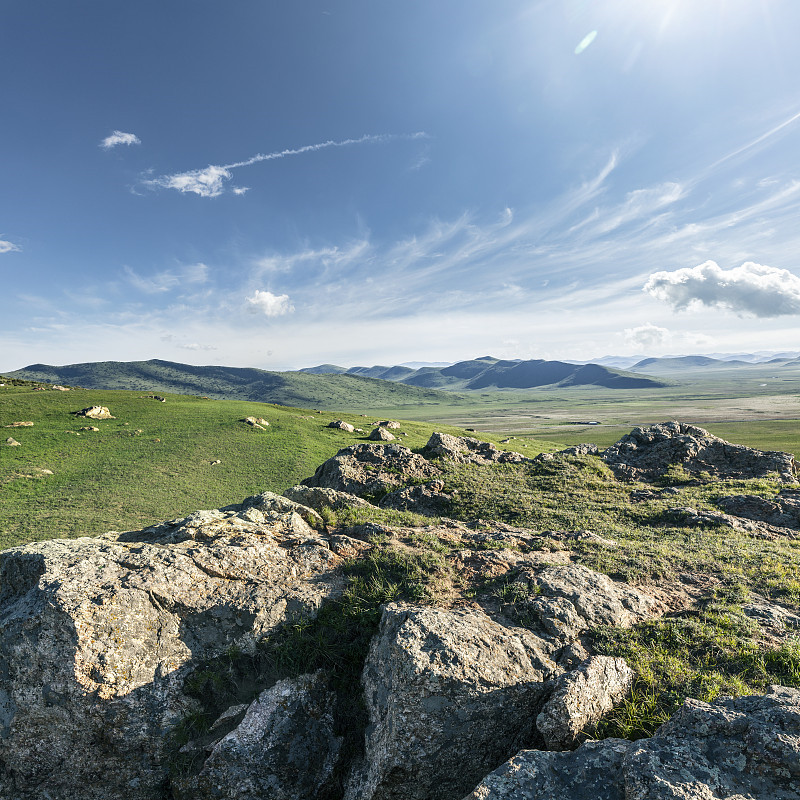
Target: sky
x=283 y=184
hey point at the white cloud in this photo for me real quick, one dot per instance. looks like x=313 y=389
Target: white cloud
x=210 y=181
x=117 y=138
x=196 y=346
x=271 y=305
x=646 y=337
x=168 y=279
x=8 y=247
x=752 y=289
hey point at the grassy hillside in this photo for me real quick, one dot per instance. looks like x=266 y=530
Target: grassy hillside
x=331 y=391
x=154 y=461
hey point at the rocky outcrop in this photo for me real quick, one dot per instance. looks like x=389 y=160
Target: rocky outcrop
x=97 y=635
x=466 y=450
x=284 y=748
x=318 y=498
x=743 y=748
x=95 y=412
x=380 y=434
x=782 y=511
x=369 y=470
x=689 y=517
x=580 y=699
x=647 y=453
x=342 y=426
x=584 y=449
x=449 y=694
x=428 y=498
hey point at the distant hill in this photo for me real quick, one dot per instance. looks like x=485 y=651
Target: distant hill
x=684 y=363
x=329 y=390
x=487 y=372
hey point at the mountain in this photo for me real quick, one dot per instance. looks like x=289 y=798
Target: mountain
x=487 y=372
x=335 y=391
x=684 y=363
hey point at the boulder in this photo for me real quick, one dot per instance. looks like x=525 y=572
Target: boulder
x=19 y=425
x=580 y=699
x=256 y=422
x=747 y=747
x=284 y=748
x=428 y=498
x=371 y=469
x=58 y=388
x=97 y=636
x=466 y=450
x=95 y=412
x=318 y=498
x=584 y=449
x=12 y=442
x=449 y=695
x=342 y=426
x=389 y=423
x=647 y=453
x=782 y=511
x=380 y=434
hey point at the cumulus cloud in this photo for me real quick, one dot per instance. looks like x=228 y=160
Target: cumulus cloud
x=210 y=181
x=646 y=337
x=8 y=247
x=752 y=289
x=271 y=305
x=117 y=138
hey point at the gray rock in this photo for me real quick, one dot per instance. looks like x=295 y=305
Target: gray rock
x=742 y=749
x=647 y=453
x=585 y=449
x=450 y=694
x=318 y=498
x=426 y=499
x=686 y=516
x=371 y=469
x=95 y=412
x=380 y=434
x=342 y=426
x=283 y=749
x=97 y=636
x=389 y=423
x=775 y=621
x=580 y=699
x=782 y=511
x=466 y=450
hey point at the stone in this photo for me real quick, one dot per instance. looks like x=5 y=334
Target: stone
x=369 y=470
x=746 y=748
x=781 y=511
x=89 y=428
x=580 y=699
x=12 y=442
x=19 y=425
x=647 y=453
x=256 y=422
x=318 y=498
x=58 y=388
x=389 y=423
x=449 y=695
x=776 y=622
x=98 y=634
x=284 y=748
x=95 y=412
x=466 y=450
x=689 y=517
x=428 y=499
x=380 y=434
x=584 y=449
x=342 y=426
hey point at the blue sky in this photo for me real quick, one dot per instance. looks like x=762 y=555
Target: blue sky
x=281 y=184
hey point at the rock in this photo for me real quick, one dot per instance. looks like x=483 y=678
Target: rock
x=647 y=453
x=747 y=747
x=782 y=511
x=380 y=434
x=58 y=388
x=318 y=498
x=580 y=699
x=585 y=449
x=342 y=426
x=11 y=442
x=256 y=422
x=449 y=695
x=776 y=622
x=568 y=600
x=371 y=469
x=687 y=516
x=283 y=749
x=97 y=636
x=95 y=412
x=466 y=450
x=428 y=499
x=389 y=423
x=89 y=428
x=19 y=425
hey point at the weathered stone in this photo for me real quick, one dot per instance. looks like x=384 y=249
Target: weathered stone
x=466 y=450
x=647 y=453
x=776 y=622
x=12 y=442
x=95 y=412
x=584 y=449
x=318 y=498
x=97 y=636
x=19 y=425
x=782 y=511
x=380 y=434
x=686 y=516
x=58 y=388
x=256 y=422
x=580 y=699
x=426 y=499
x=389 y=423
x=742 y=749
x=283 y=749
x=449 y=694
x=371 y=469
x=342 y=426
x=89 y=428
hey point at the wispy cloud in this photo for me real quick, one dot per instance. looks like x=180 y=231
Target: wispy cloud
x=117 y=138
x=167 y=279
x=8 y=247
x=271 y=305
x=752 y=289
x=211 y=181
